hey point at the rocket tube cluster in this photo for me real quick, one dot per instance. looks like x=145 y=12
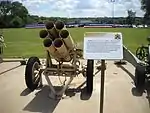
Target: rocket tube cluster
x=57 y=41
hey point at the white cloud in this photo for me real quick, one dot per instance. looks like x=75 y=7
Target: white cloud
x=82 y=8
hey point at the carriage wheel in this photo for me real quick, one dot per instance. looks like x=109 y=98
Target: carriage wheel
x=142 y=53
x=89 y=75
x=32 y=73
x=140 y=76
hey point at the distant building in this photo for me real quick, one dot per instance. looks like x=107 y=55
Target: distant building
x=86 y=22
x=35 y=25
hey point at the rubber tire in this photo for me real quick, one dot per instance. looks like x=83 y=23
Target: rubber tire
x=48 y=60
x=89 y=76
x=140 y=76
x=28 y=73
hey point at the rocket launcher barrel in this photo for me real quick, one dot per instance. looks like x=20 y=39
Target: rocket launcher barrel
x=59 y=25
x=64 y=34
x=43 y=33
x=62 y=50
x=51 y=30
x=49 y=25
x=48 y=44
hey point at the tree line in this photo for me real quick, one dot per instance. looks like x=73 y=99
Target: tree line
x=15 y=15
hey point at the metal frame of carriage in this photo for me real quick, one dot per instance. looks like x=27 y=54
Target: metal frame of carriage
x=142 y=69
x=35 y=70
x=141 y=62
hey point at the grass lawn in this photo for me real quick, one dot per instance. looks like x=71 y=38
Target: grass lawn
x=26 y=42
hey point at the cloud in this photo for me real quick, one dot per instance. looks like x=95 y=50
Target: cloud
x=82 y=8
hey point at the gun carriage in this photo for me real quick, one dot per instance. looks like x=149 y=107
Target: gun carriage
x=62 y=59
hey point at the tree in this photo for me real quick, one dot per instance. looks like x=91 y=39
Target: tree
x=35 y=18
x=5 y=10
x=131 y=17
x=16 y=22
x=10 y=11
x=19 y=10
x=138 y=21
x=30 y=20
x=145 y=6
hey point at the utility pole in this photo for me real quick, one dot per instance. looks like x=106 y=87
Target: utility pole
x=113 y=10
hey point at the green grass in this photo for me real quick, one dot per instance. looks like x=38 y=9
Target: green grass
x=26 y=42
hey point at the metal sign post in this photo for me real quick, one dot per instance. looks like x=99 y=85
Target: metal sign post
x=104 y=46
x=103 y=67
x=113 y=10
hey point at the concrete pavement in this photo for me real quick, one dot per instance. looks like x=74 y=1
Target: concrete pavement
x=120 y=95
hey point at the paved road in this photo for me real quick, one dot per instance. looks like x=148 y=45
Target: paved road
x=120 y=95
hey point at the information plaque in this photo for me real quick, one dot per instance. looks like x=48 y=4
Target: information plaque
x=103 y=45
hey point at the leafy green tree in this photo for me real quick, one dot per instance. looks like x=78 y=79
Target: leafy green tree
x=131 y=17
x=12 y=11
x=5 y=11
x=16 y=22
x=19 y=10
x=145 y=6
x=30 y=20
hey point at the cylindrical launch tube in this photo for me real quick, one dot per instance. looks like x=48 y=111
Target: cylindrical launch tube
x=51 y=30
x=52 y=50
x=59 y=25
x=43 y=34
x=67 y=39
x=48 y=44
x=61 y=48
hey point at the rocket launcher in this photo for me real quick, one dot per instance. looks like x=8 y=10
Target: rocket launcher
x=57 y=41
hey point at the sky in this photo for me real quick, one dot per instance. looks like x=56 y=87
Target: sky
x=82 y=8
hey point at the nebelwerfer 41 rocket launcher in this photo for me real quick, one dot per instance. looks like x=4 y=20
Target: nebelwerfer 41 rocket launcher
x=57 y=41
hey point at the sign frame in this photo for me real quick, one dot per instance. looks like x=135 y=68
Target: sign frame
x=111 y=42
